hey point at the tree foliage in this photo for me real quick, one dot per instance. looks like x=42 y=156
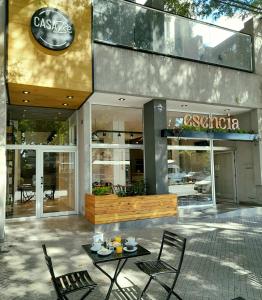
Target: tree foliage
x=214 y=8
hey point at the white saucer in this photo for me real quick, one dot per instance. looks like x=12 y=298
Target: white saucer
x=104 y=253
x=127 y=250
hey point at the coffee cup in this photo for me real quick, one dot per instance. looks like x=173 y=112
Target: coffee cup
x=130 y=247
x=98 y=237
x=96 y=246
x=131 y=241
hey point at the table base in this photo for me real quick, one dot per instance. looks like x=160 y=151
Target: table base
x=120 y=266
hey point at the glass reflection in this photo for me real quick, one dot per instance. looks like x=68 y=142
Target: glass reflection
x=116 y=125
x=112 y=167
x=59 y=182
x=21 y=174
x=123 y=23
x=189 y=176
x=40 y=126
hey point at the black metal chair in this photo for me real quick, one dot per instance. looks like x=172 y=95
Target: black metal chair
x=157 y=268
x=70 y=282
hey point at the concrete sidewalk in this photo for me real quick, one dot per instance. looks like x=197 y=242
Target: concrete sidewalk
x=223 y=257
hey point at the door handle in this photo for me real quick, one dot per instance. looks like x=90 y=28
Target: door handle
x=42 y=180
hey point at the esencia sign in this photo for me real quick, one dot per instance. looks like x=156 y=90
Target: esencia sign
x=208 y=122
x=52 y=28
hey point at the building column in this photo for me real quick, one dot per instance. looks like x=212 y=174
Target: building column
x=256 y=124
x=3 y=100
x=155 y=147
x=84 y=154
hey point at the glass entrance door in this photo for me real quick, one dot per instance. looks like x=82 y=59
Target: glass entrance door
x=189 y=175
x=58 y=183
x=225 y=184
x=40 y=182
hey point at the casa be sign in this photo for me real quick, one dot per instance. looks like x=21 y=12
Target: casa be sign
x=52 y=28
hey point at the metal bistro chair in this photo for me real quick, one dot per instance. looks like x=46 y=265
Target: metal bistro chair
x=70 y=282
x=159 y=267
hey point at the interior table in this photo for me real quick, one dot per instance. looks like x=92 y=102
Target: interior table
x=121 y=261
x=27 y=192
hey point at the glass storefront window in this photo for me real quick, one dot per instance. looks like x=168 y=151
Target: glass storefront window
x=21 y=184
x=122 y=23
x=189 y=176
x=116 y=125
x=187 y=142
x=40 y=126
x=112 y=167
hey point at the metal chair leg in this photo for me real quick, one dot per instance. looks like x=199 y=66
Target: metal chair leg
x=176 y=295
x=145 y=288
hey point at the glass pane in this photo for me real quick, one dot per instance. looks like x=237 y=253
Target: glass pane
x=225 y=176
x=174 y=141
x=40 y=126
x=189 y=176
x=116 y=125
x=59 y=182
x=122 y=23
x=21 y=174
x=117 y=167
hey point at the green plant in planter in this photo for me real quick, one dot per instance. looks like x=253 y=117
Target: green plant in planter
x=135 y=189
x=192 y=128
x=102 y=190
x=140 y=188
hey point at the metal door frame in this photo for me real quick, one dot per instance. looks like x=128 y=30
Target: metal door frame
x=40 y=150
x=232 y=152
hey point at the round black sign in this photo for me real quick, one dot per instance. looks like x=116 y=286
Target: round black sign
x=52 y=28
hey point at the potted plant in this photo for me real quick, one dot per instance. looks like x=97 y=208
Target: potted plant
x=102 y=190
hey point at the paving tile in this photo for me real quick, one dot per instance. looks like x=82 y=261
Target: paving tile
x=223 y=258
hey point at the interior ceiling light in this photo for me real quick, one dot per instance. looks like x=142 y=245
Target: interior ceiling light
x=121 y=99
x=65 y=104
x=26 y=92
x=69 y=97
x=26 y=101
x=59 y=113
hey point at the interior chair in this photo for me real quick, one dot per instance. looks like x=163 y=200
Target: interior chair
x=157 y=268
x=70 y=282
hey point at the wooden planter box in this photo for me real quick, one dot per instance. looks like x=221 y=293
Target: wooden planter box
x=111 y=208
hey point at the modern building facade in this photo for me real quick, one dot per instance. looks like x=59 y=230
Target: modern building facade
x=109 y=93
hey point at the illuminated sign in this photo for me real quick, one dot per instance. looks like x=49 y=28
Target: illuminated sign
x=208 y=122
